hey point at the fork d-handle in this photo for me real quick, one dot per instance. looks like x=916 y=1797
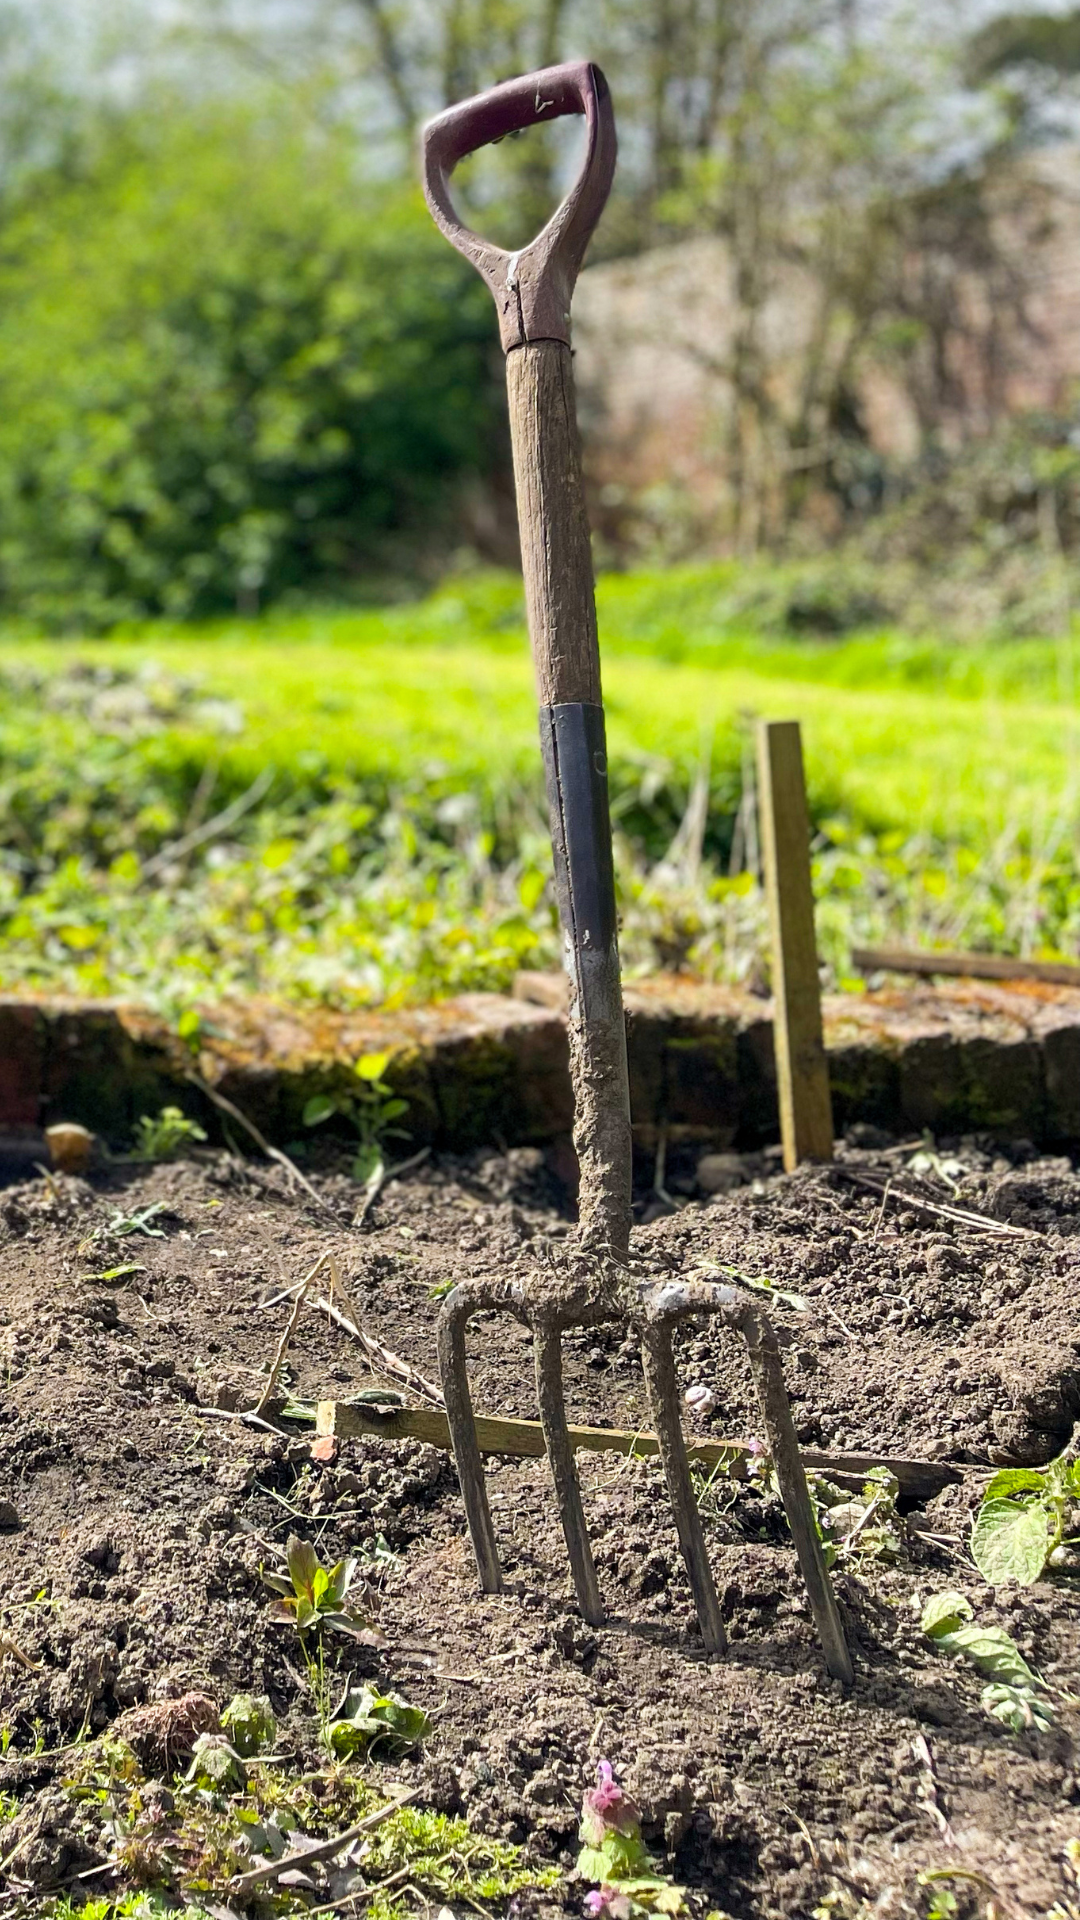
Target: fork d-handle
x=532 y=291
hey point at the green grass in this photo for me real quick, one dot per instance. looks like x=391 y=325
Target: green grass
x=400 y=849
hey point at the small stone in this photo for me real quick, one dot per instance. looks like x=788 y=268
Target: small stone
x=700 y=1400
x=9 y=1517
x=325 y=1449
x=161 y=1369
x=127 y=1377
x=70 y=1146
x=721 y=1172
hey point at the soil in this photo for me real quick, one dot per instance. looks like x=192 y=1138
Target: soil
x=130 y=1567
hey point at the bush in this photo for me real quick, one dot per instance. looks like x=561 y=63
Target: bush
x=231 y=369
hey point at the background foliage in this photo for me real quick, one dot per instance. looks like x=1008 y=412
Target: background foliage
x=231 y=367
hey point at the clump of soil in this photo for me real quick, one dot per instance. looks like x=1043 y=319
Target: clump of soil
x=142 y=1510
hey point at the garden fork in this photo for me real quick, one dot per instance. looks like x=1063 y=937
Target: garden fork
x=594 y=1281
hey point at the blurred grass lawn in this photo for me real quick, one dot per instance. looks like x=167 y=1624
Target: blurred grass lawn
x=960 y=742
x=400 y=851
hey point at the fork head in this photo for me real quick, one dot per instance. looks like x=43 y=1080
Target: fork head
x=587 y=1292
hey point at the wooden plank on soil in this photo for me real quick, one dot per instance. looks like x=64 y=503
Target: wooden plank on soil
x=966 y=966
x=918 y=1479
x=802 y=1073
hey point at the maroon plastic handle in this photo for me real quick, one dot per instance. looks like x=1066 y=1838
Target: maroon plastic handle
x=533 y=287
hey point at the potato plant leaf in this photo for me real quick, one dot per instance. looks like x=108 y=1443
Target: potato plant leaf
x=1010 y=1541
x=370 y=1722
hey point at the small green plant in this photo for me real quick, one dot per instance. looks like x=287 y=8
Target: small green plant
x=857 y=1529
x=249 y=1721
x=759 y=1282
x=381 y=1725
x=1022 y=1520
x=111 y=1275
x=371 y=1107
x=614 y=1856
x=1016 y=1695
x=216 y=1766
x=314 y=1596
x=121 y=1225
x=166 y=1136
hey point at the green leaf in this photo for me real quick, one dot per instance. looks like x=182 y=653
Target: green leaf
x=367 y=1164
x=944 y=1612
x=1013 y=1480
x=366 y=1719
x=1018 y=1708
x=620 y=1856
x=339 y=1580
x=318 y=1109
x=303 y=1565
x=993 y=1651
x=115 y=1273
x=1010 y=1541
x=249 y=1721
x=393 y=1109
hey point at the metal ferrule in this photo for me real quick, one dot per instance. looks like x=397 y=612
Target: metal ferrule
x=574 y=751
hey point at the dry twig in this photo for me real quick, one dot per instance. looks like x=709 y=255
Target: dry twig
x=272 y=1153
x=965 y=1216
x=287 y=1334
x=384 y=1358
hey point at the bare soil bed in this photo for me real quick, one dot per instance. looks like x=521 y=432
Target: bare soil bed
x=130 y=1567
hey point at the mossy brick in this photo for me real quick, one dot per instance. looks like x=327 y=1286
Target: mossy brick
x=701 y=1077
x=97 y=1071
x=502 y=1074
x=1003 y=1087
x=22 y=1059
x=864 y=1080
x=1058 y=1033
x=931 y=1082
x=759 y=1107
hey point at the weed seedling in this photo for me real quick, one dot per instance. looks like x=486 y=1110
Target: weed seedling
x=857 y=1530
x=614 y=1857
x=250 y=1724
x=371 y=1107
x=120 y=1224
x=312 y=1598
x=1021 y=1523
x=166 y=1136
x=1016 y=1695
x=382 y=1725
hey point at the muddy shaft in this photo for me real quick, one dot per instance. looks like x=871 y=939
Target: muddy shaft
x=562 y=626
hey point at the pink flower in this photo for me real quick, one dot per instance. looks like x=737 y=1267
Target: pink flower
x=607 y=1808
x=607 y=1903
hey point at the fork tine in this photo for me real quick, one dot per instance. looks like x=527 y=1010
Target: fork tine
x=767 y=1368
x=662 y=1387
x=549 y=1392
x=450 y=1341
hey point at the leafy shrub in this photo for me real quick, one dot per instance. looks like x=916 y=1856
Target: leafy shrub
x=230 y=368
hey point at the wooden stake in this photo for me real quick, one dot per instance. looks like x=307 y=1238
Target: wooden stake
x=802 y=1074
x=524 y=1439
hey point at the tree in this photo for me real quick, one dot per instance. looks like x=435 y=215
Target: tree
x=231 y=367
